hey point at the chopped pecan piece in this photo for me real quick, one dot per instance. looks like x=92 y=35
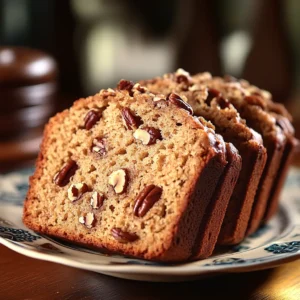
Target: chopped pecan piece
x=255 y=100
x=118 y=180
x=147 y=135
x=99 y=146
x=212 y=93
x=126 y=85
x=223 y=103
x=146 y=199
x=62 y=178
x=123 y=236
x=91 y=118
x=76 y=190
x=131 y=121
x=97 y=200
x=88 y=220
x=178 y=101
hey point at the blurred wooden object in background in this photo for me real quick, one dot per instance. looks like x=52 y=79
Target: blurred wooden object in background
x=269 y=64
x=28 y=97
x=199 y=43
x=141 y=36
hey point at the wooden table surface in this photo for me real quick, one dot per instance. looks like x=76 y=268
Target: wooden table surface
x=26 y=278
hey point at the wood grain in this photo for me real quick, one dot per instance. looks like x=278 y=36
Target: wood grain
x=26 y=278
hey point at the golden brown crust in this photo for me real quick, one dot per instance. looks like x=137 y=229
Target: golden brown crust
x=213 y=219
x=273 y=200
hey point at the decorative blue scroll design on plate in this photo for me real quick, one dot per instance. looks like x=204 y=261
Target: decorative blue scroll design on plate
x=281 y=248
x=17 y=235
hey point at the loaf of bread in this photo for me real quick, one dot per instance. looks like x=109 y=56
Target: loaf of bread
x=164 y=169
x=209 y=104
x=126 y=171
x=272 y=125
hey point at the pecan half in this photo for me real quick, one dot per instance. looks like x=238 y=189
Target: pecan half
x=146 y=199
x=118 y=180
x=99 y=146
x=88 y=220
x=131 y=121
x=147 y=135
x=62 y=177
x=97 y=200
x=91 y=118
x=126 y=85
x=123 y=236
x=76 y=190
x=177 y=100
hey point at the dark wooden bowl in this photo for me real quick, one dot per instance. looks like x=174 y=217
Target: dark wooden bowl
x=27 y=94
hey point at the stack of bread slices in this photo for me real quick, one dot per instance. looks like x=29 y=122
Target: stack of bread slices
x=165 y=169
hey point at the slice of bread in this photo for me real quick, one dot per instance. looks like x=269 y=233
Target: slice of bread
x=125 y=172
x=215 y=213
x=256 y=110
x=284 y=122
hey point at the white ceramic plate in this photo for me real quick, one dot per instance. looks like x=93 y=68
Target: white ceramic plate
x=275 y=243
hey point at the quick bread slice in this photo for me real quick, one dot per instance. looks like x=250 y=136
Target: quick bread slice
x=284 y=121
x=123 y=172
x=233 y=129
x=254 y=110
x=215 y=212
x=289 y=150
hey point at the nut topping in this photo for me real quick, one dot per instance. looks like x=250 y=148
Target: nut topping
x=223 y=103
x=130 y=120
x=123 y=236
x=108 y=92
x=98 y=146
x=183 y=76
x=229 y=78
x=88 y=220
x=139 y=88
x=76 y=190
x=177 y=100
x=255 y=100
x=118 y=180
x=111 y=91
x=146 y=199
x=91 y=118
x=62 y=178
x=97 y=200
x=195 y=87
x=147 y=135
x=159 y=98
x=212 y=93
x=126 y=85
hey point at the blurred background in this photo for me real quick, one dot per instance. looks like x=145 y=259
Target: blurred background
x=95 y=43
